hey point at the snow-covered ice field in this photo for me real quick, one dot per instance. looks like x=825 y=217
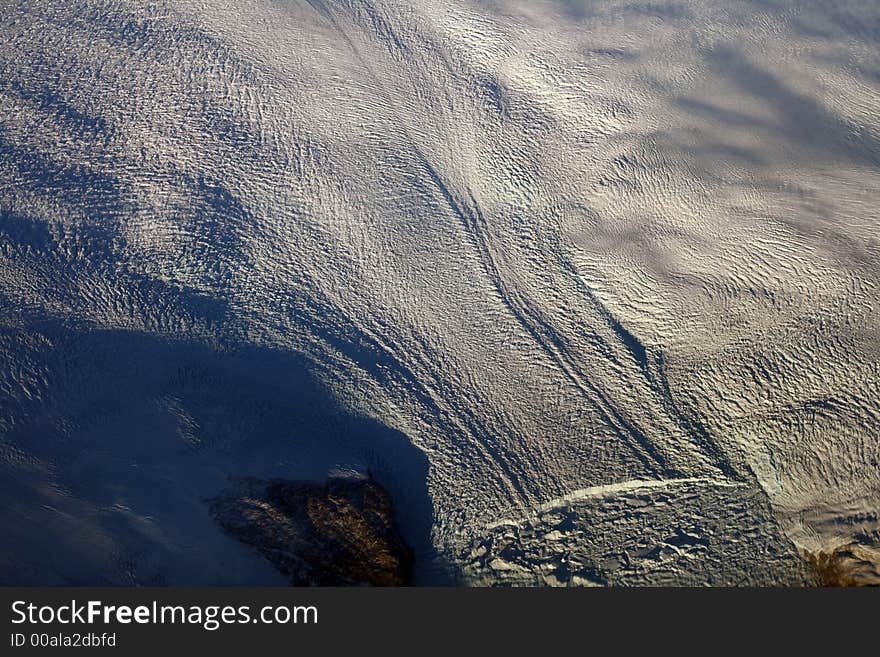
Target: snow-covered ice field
x=592 y=288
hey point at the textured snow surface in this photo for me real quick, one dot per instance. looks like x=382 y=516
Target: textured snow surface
x=685 y=532
x=590 y=287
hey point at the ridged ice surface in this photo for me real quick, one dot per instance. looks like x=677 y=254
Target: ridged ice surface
x=591 y=283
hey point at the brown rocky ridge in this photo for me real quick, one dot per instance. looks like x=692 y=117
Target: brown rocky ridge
x=337 y=533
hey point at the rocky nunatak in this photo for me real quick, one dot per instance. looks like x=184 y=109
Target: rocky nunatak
x=856 y=563
x=337 y=533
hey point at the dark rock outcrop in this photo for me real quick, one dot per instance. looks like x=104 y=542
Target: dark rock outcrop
x=338 y=533
x=855 y=564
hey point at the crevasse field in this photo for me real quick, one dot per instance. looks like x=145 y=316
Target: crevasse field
x=592 y=288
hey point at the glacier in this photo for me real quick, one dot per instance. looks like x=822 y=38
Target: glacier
x=591 y=287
